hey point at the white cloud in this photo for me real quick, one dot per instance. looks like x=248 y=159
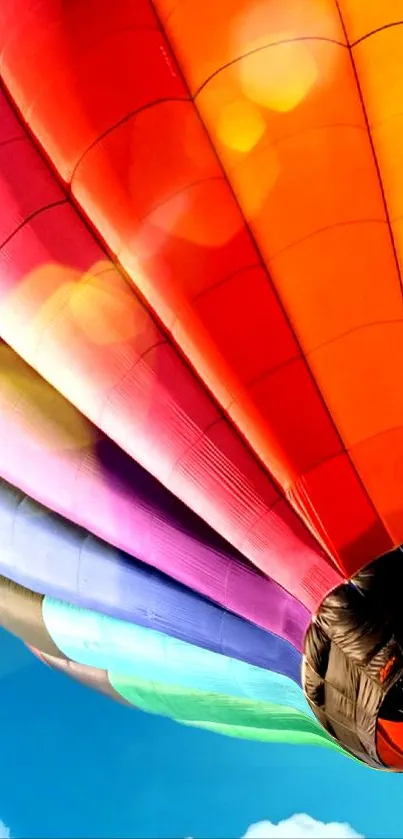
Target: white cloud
x=301 y=826
x=4 y=831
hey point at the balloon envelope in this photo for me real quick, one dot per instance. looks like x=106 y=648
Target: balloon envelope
x=200 y=322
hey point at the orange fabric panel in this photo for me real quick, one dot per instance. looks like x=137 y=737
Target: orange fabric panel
x=378 y=60
x=100 y=87
x=306 y=179
x=364 y=18
x=219 y=33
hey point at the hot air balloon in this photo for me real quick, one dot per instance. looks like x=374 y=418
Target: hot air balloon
x=201 y=410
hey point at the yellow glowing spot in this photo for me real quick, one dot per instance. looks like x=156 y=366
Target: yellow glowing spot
x=254 y=178
x=259 y=24
x=38 y=409
x=279 y=77
x=102 y=307
x=55 y=297
x=240 y=126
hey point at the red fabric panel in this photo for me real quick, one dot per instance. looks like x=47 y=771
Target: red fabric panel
x=389 y=743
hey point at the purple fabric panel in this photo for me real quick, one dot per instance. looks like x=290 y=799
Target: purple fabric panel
x=49 y=555
x=56 y=456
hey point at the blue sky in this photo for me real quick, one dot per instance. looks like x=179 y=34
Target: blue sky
x=76 y=765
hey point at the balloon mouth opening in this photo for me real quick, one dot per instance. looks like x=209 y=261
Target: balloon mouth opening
x=389 y=728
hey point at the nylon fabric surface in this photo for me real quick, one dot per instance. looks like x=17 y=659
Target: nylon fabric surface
x=255 y=720
x=239 y=715
x=276 y=247
x=282 y=734
x=51 y=556
x=201 y=315
x=51 y=452
x=64 y=306
x=111 y=644
x=89 y=676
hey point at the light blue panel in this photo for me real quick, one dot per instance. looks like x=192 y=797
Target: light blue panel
x=111 y=644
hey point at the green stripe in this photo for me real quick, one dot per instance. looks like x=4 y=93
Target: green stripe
x=272 y=735
x=235 y=716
